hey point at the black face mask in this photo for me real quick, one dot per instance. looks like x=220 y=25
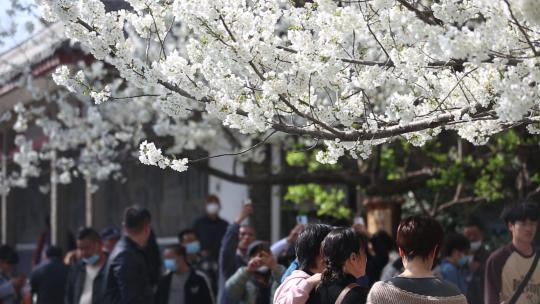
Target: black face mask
x=262 y=279
x=263 y=292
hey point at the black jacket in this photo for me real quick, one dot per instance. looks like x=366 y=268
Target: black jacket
x=210 y=233
x=127 y=275
x=48 y=281
x=328 y=293
x=229 y=260
x=475 y=292
x=197 y=289
x=153 y=259
x=75 y=284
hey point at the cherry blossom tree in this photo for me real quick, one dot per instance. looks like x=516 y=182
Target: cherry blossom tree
x=348 y=74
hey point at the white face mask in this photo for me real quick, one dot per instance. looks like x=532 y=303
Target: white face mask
x=476 y=245
x=212 y=208
x=263 y=269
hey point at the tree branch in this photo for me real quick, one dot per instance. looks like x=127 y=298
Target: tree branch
x=407 y=183
x=411 y=180
x=418 y=125
x=521 y=29
x=426 y=16
x=465 y=200
x=237 y=153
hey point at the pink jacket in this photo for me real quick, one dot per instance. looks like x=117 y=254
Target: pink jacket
x=294 y=290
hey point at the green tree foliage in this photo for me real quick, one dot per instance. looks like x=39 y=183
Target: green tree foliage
x=463 y=177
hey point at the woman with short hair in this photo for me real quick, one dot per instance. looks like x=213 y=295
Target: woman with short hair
x=418 y=240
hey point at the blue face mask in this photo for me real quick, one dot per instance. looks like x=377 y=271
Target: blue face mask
x=193 y=247
x=91 y=260
x=464 y=260
x=170 y=264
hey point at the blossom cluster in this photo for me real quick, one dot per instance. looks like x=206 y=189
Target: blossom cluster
x=150 y=155
x=354 y=75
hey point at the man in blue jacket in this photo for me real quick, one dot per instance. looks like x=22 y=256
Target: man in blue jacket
x=233 y=251
x=48 y=280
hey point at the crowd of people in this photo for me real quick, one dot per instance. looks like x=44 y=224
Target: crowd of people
x=217 y=262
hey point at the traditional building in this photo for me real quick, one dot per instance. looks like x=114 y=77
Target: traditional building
x=174 y=199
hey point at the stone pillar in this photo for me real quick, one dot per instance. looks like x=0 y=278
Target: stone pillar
x=59 y=214
x=4 y=208
x=276 y=195
x=88 y=206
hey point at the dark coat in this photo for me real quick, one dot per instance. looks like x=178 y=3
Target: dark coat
x=210 y=233
x=328 y=293
x=127 y=275
x=153 y=259
x=197 y=289
x=48 y=281
x=229 y=260
x=75 y=284
x=475 y=292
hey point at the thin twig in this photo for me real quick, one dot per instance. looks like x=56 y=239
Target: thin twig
x=136 y=96
x=237 y=153
x=520 y=27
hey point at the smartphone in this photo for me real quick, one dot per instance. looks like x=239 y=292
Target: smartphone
x=359 y=220
x=302 y=219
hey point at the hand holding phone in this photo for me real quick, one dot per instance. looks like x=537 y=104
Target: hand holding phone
x=245 y=211
x=359 y=221
x=302 y=219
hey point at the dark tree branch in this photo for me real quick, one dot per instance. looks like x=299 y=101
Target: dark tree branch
x=521 y=29
x=533 y=193
x=464 y=200
x=426 y=16
x=412 y=180
x=387 y=132
x=407 y=183
x=322 y=177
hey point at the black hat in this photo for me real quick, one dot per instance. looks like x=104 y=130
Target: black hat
x=257 y=246
x=9 y=255
x=110 y=233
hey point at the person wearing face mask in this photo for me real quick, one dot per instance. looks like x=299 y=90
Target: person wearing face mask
x=473 y=231
x=211 y=228
x=345 y=260
x=9 y=286
x=86 y=277
x=512 y=271
x=455 y=261
x=48 y=281
x=128 y=277
x=196 y=258
x=182 y=284
x=256 y=282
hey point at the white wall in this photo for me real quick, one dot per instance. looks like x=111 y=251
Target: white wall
x=230 y=194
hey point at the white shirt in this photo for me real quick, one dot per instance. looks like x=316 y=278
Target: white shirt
x=177 y=290
x=88 y=288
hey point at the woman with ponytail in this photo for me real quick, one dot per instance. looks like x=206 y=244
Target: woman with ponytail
x=344 y=252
